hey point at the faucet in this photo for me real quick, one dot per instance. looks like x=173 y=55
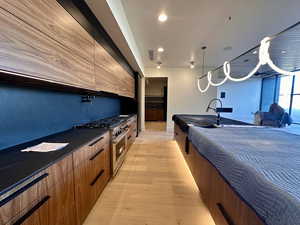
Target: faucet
x=215 y=109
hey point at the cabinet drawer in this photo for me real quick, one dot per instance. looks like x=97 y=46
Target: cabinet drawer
x=16 y=203
x=88 y=151
x=101 y=171
x=101 y=142
x=91 y=177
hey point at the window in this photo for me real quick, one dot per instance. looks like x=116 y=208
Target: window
x=296 y=100
x=285 y=91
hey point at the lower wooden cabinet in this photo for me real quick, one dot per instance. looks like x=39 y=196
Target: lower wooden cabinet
x=223 y=203
x=91 y=176
x=27 y=204
x=60 y=184
x=181 y=139
x=132 y=124
x=62 y=194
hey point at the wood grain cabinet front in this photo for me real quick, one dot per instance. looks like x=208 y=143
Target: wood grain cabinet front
x=33 y=45
x=110 y=76
x=41 y=40
x=20 y=206
x=91 y=172
x=60 y=184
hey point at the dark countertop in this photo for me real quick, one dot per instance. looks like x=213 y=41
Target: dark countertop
x=16 y=166
x=182 y=120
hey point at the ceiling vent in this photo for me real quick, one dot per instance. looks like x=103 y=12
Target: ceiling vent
x=151 y=55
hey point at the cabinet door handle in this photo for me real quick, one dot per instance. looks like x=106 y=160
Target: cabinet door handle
x=187 y=146
x=176 y=133
x=23 y=189
x=96 y=141
x=98 y=153
x=225 y=214
x=97 y=177
x=31 y=211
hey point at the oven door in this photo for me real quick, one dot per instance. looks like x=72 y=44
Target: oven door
x=118 y=152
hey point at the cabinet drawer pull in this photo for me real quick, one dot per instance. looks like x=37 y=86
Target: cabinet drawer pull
x=225 y=214
x=31 y=211
x=187 y=145
x=96 y=141
x=97 y=177
x=129 y=137
x=22 y=189
x=98 y=153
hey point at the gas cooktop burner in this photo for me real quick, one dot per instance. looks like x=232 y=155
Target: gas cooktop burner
x=105 y=123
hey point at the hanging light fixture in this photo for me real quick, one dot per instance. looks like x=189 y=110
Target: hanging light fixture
x=192 y=64
x=198 y=80
x=264 y=59
x=158 y=65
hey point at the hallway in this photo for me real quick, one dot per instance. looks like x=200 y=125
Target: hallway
x=154 y=187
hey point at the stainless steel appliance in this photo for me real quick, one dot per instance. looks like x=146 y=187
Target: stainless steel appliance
x=119 y=146
x=118 y=131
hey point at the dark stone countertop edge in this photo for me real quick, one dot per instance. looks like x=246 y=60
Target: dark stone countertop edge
x=94 y=134
x=182 y=121
x=51 y=162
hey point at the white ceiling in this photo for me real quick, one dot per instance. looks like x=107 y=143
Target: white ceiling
x=194 y=23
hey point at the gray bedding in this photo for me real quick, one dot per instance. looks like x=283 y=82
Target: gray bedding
x=261 y=164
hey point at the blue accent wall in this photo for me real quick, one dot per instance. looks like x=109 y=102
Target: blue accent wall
x=27 y=114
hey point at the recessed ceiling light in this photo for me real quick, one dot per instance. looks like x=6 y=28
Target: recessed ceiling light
x=228 y=48
x=255 y=52
x=283 y=51
x=158 y=67
x=160 y=49
x=162 y=17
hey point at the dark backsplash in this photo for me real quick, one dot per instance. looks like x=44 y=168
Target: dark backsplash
x=27 y=114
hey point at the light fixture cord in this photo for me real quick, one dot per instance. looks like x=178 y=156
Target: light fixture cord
x=203 y=60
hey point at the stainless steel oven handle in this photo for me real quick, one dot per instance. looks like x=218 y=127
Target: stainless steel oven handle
x=115 y=141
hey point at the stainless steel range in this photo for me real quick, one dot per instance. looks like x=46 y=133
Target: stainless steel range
x=119 y=131
x=119 y=145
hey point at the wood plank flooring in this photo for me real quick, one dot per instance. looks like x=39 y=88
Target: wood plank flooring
x=155 y=126
x=154 y=187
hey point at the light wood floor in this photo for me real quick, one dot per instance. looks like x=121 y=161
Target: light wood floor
x=154 y=187
x=155 y=126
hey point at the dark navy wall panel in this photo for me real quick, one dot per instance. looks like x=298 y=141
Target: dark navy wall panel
x=27 y=114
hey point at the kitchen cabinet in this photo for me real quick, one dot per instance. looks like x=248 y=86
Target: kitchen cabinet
x=132 y=124
x=152 y=114
x=23 y=203
x=51 y=19
x=31 y=53
x=39 y=39
x=110 y=76
x=64 y=193
x=92 y=172
x=181 y=139
x=60 y=184
x=224 y=205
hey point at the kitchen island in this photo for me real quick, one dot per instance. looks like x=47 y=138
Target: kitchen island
x=223 y=203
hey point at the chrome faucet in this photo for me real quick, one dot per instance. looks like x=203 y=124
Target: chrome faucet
x=215 y=109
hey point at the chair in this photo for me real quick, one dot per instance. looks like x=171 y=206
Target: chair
x=276 y=117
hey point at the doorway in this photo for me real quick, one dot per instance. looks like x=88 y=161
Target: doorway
x=156 y=102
